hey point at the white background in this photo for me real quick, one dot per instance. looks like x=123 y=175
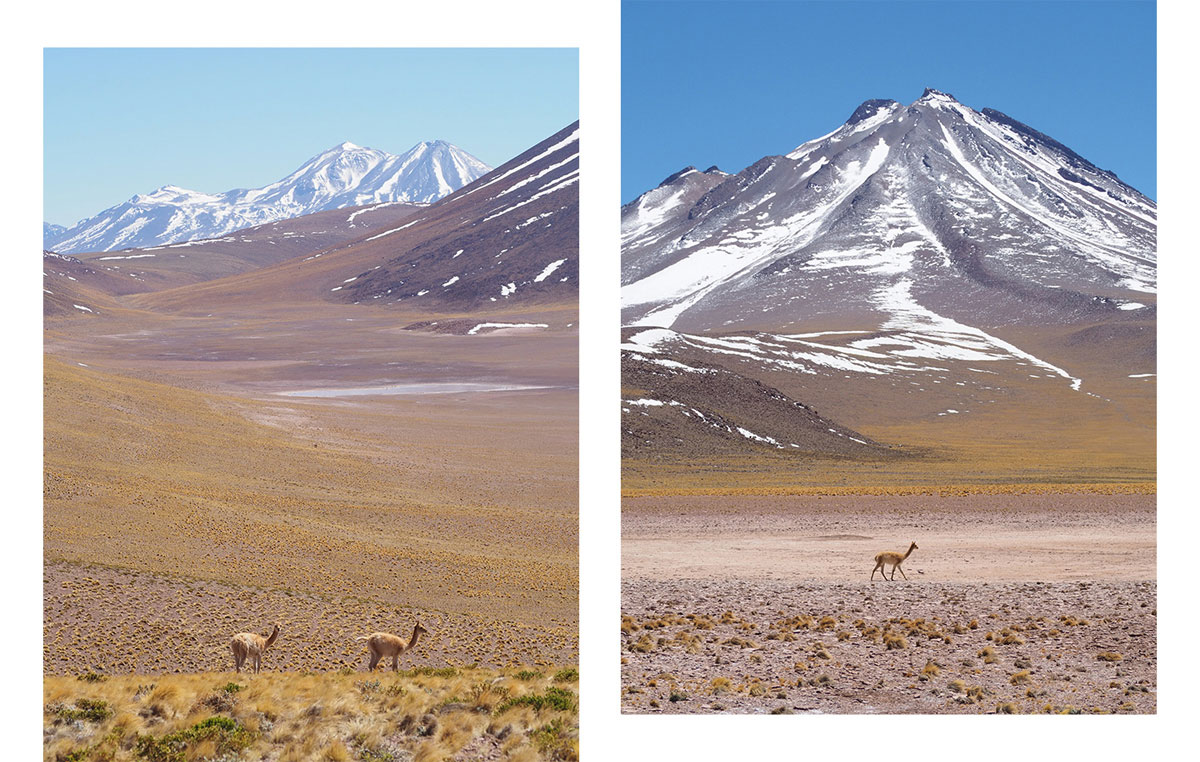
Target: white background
x=595 y=30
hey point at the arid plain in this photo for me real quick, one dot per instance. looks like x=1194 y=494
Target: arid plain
x=1019 y=602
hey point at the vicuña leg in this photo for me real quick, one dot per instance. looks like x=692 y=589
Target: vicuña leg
x=902 y=574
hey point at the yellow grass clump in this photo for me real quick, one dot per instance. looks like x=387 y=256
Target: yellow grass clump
x=420 y=714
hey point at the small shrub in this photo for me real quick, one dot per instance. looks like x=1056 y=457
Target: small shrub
x=554 y=698
x=526 y=675
x=677 y=696
x=223 y=734
x=1018 y=678
x=91 y=710
x=568 y=675
x=556 y=741
x=1109 y=656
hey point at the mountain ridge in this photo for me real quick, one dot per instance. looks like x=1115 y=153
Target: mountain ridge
x=344 y=175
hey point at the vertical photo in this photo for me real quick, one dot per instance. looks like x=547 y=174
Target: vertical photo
x=888 y=358
x=310 y=330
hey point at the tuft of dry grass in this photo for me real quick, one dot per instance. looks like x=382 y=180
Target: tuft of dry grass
x=306 y=716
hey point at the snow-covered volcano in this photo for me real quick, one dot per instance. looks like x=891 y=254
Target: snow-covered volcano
x=345 y=175
x=926 y=260
x=901 y=211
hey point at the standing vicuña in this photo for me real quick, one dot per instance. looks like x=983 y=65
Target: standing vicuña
x=386 y=644
x=895 y=559
x=251 y=644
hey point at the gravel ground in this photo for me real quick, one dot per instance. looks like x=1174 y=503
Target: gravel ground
x=762 y=647
x=1014 y=603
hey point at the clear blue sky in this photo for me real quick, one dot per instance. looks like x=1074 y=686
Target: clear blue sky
x=126 y=121
x=727 y=83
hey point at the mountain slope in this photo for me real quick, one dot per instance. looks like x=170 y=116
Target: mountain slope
x=345 y=175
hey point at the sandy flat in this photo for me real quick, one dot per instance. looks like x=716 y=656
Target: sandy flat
x=960 y=539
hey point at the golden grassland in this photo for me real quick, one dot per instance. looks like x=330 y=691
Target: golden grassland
x=943 y=490
x=161 y=479
x=168 y=481
x=122 y=621
x=1016 y=450
x=421 y=715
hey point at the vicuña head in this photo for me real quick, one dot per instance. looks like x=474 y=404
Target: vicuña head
x=894 y=560
x=252 y=645
x=382 y=644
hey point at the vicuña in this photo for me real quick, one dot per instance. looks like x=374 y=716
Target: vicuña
x=895 y=559
x=251 y=644
x=383 y=644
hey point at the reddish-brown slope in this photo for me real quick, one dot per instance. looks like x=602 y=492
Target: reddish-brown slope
x=182 y=264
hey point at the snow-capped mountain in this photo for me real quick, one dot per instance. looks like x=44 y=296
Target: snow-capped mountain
x=928 y=250
x=899 y=211
x=345 y=175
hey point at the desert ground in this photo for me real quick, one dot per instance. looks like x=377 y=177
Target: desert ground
x=196 y=486
x=1017 y=601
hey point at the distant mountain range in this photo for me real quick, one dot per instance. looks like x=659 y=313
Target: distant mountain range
x=500 y=246
x=345 y=175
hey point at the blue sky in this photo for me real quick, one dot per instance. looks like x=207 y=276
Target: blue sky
x=126 y=121
x=727 y=83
